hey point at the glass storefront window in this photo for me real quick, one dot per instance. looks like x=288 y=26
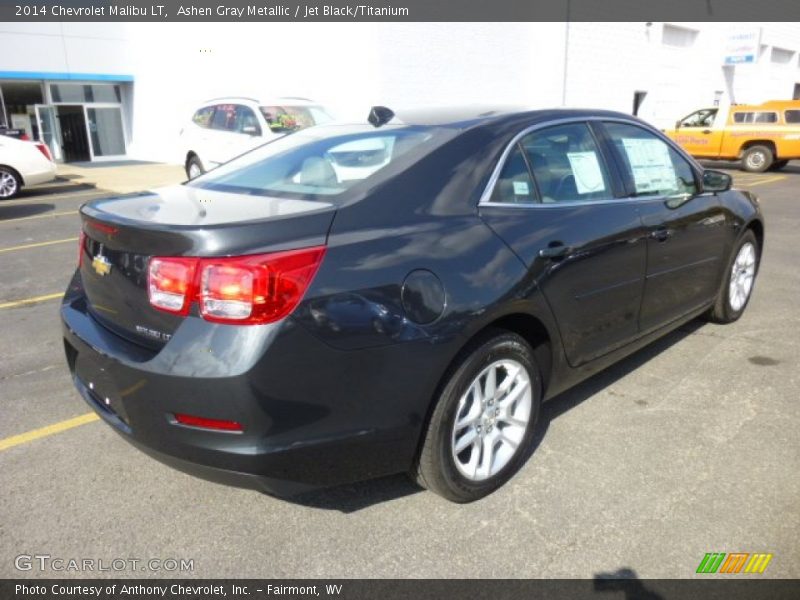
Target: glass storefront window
x=80 y=93
x=105 y=127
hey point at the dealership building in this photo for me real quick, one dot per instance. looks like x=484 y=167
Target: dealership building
x=110 y=91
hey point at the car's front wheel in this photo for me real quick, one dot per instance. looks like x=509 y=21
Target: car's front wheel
x=10 y=183
x=738 y=283
x=483 y=421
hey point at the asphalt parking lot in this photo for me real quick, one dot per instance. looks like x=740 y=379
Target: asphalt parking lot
x=689 y=446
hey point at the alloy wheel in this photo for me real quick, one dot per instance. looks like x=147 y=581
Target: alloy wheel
x=8 y=184
x=743 y=272
x=491 y=420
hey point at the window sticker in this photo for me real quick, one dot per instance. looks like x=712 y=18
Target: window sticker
x=651 y=164
x=521 y=188
x=586 y=170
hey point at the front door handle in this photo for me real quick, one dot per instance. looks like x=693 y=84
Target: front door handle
x=554 y=251
x=661 y=234
x=706 y=131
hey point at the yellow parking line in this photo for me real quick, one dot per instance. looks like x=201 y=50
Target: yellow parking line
x=44 y=216
x=35 y=434
x=38 y=245
x=767 y=180
x=31 y=300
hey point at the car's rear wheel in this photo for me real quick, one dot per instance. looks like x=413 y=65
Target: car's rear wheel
x=194 y=167
x=10 y=183
x=757 y=159
x=483 y=421
x=778 y=165
x=738 y=284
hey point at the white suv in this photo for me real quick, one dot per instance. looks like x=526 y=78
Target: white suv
x=224 y=128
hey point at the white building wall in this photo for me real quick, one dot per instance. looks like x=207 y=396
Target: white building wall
x=350 y=67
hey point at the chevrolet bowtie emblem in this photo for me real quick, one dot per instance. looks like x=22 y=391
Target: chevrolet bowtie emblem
x=101 y=265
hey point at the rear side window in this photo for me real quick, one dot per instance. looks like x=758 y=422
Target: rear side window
x=792 y=116
x=567 y=165
x=287 y=118
x=202 y=117
x=654 y=167
x=514 y=186
x=755 y=117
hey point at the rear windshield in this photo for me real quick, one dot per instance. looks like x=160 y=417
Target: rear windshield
x=320 y=162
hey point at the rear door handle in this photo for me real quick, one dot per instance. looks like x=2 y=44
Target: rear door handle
x=554 y=250
x=661 y=234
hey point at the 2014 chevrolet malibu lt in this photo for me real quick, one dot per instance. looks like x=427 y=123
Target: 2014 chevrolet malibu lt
x=399 y=295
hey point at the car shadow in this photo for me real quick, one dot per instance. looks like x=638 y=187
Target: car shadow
x=20 y=211
x=356 y=496
x=58 y=187
x=793 y=168
x=626 y=581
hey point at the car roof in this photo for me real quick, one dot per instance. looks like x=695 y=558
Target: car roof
x=464 y=117
x=266 y=101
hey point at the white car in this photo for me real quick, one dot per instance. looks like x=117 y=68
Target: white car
x=23 y=163
x=223 y=128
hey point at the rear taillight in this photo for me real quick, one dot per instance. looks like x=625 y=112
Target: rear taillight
x=170 y=283
x=244 y=289
x=81 y=246
x=44 y=150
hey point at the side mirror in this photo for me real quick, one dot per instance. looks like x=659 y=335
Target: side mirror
x=678 y=124
x=250 y=130
x=716 y=181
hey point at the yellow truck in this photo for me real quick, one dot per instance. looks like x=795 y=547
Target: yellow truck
x=763 y=136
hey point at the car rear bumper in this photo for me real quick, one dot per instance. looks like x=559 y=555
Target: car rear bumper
x=43 y=174
x=307 y=422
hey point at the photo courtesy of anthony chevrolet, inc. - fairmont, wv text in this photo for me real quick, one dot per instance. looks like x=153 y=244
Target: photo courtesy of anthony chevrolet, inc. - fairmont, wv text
x=401 y=300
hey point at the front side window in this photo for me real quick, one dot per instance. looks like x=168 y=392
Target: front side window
x=567 y=165
x=318 y=165
x=701 y=118
x=514 y=185
x=654 y=167
x=225 y=118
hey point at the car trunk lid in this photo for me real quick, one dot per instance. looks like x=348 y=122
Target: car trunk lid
x=121 y=234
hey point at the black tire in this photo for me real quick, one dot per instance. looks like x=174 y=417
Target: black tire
x=436 y=468
x=778 y=165
x=10 y=183
x=194 y=161
x=722 y=311
x=757 y=159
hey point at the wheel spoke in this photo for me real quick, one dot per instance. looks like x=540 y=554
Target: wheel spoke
x=490 y=387
x=513 y=394
x=487 y=456
x=465 y=441
x=474 y=410
x=507 y=440
x=512 y=420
